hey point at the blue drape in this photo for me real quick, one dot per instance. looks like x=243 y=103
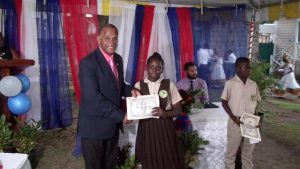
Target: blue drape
x=223 y=30
x=10 y=24
x=201 y=31
x=129 y=69
x=134 y=52
x=55 y=94
x=173 y=21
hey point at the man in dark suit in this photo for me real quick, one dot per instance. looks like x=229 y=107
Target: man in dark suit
x=100 y=116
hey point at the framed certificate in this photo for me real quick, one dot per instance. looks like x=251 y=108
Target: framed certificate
x=249 y=129
x=141 y=107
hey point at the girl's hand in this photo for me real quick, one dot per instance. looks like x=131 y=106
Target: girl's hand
x=157 y=111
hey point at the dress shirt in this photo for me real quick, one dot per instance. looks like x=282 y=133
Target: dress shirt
x=242 y=98
x=204 y=55
x=111 y=62
x=231 y=58
x=198 y=84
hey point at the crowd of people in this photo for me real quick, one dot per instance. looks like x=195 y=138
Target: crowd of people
x=157 y=145
x=212 y=68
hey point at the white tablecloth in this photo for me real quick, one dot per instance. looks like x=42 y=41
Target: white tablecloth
x=15 y=161
x=211 y=124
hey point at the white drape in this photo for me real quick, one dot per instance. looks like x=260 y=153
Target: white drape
x=29 y=49
x=161 y=41
x=122 y=16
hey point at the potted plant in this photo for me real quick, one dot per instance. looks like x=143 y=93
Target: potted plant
x=124 y=160
x=189 y=100
x=130 y=163
x=25 y=138
x=5 y=134
x=259 y=74
x=192 y=144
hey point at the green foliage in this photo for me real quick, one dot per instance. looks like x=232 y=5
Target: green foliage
x=5 y=134
x=130 y=163
x=123 y=154
x=24 y=139
x=259 y=74
x=287 y=105
x=192 y=143
x=192 y=101
x=125 y=161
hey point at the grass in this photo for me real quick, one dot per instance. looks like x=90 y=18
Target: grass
x=286 y=105
x=287 y=134
x=269 y=116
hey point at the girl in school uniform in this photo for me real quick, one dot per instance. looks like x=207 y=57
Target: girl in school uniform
x=157 y=146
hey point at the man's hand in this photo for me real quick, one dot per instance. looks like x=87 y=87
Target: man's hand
x=135 y=93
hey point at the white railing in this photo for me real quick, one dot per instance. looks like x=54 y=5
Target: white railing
x=292 y=50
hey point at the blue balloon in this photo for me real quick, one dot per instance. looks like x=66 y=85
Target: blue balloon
x=25 y=82
x=19 y=104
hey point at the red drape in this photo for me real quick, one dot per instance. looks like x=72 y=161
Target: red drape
x=145 y=40
x=80 y=33
x=186 y=37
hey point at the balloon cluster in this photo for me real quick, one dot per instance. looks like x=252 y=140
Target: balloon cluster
x=15 y=87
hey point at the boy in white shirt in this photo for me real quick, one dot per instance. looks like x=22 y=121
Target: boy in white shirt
x=240 y=95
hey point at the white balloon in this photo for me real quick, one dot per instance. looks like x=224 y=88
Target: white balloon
x=10 y=86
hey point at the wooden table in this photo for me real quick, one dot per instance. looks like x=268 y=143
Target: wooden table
x=7 y=67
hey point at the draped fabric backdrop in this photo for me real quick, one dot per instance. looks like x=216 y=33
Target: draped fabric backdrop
x=49 y=31
x=222 y=28
x=173 y=21
x=144 y=41
x=134 y=50
x=161 y=41
x=80 y=33
x=55 y=93
x=122 y=16
x=186 y=38
x=29 y=49
x=10 y=24
x=18 y=5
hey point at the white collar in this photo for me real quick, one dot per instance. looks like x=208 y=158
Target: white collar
x=146 y=80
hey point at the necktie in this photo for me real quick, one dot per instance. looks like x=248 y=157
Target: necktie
x=192 y=86
x=114 y=68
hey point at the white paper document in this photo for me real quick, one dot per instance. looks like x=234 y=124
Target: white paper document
x=141 y=107
x=249 y=129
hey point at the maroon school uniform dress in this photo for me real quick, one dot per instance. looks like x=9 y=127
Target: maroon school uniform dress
x=156 y=142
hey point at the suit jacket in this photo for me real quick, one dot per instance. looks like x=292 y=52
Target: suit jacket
x=100 y=114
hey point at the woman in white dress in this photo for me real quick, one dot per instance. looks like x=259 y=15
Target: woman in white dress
x=288 y=80
x=217 y=71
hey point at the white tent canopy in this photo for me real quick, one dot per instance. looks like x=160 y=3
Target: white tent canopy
x=217 y=3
